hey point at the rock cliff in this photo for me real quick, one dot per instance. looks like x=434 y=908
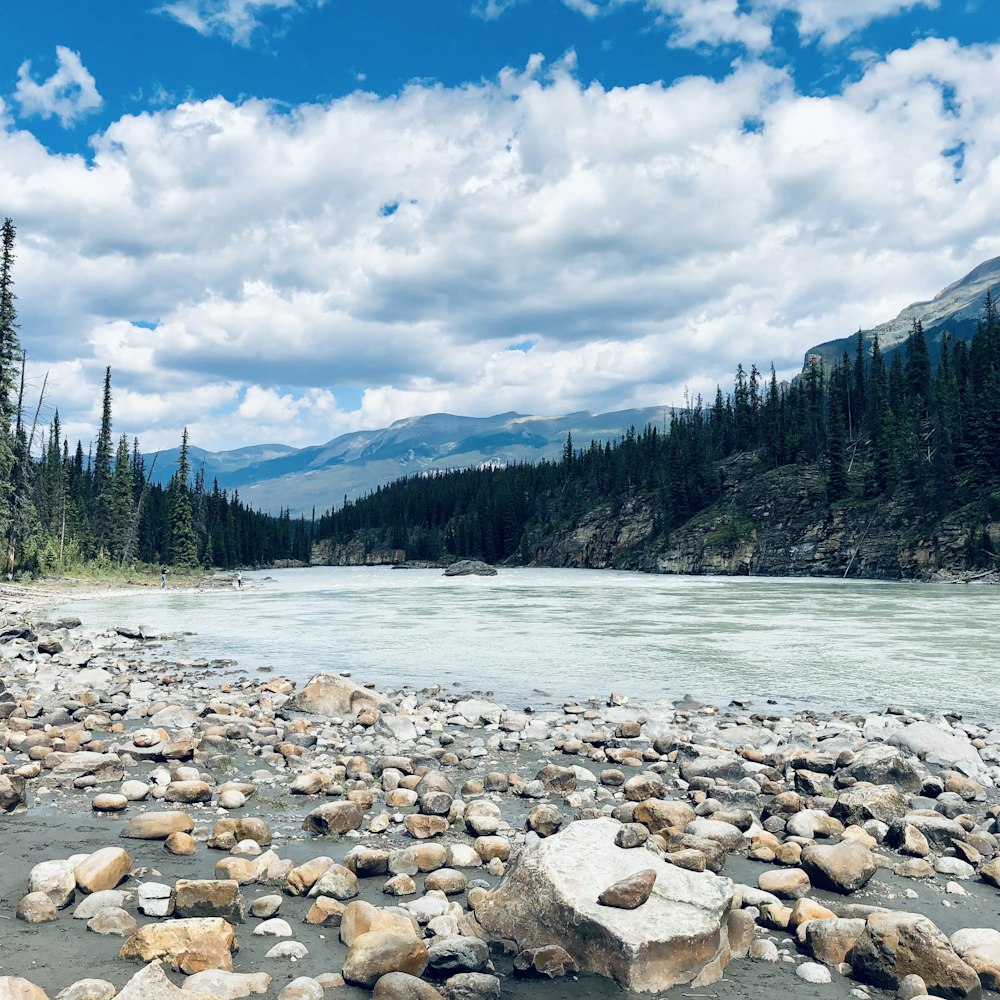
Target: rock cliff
x=771 y=523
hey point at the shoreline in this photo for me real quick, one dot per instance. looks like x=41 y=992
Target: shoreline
x=91 y=720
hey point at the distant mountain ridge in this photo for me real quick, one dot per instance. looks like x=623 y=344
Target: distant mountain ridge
x=955 y=310
x=274 y=476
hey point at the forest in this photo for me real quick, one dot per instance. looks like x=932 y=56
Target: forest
x=887 y=428
x=63 y=510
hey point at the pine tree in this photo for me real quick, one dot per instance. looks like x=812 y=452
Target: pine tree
x=182 y=543
x=102 y=485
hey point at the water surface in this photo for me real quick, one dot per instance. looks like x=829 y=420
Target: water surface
x=540 y=636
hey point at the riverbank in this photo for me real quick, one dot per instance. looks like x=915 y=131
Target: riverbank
x=415 y=816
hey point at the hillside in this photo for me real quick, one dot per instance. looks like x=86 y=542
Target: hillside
x=955 y=310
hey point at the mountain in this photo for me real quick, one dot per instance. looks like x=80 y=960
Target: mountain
x=273 y=476
x=955 y=310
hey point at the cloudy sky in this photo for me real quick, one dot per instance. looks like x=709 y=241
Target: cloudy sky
x=278 y=220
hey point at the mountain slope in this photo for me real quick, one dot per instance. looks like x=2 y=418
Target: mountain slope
x=271 y=477
x=955 y=310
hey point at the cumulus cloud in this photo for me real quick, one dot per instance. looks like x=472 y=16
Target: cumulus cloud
x=246 y=269
x=235 y=20
x=749 y=23
x=69 y=94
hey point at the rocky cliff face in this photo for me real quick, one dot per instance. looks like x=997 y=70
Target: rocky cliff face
x=354 y=553
x=775 y=523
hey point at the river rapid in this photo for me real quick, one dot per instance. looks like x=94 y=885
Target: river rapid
x=540 y=636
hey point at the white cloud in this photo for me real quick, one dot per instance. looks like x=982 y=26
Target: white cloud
x=388 y=251
x=69 y=94
x=235 y=20
x=490 y=10
x=749 y=23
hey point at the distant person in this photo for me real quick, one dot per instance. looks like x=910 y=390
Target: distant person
x=239 y=579
x=163 y=578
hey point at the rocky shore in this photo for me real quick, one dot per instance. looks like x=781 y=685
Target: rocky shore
x=167 y=835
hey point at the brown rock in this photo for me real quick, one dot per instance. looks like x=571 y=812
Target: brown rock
x=209 y=898
x=330 y=695
x=550 y=961
x=15 y=988
x=191 y=945
x=339 y=817
x=402 y=986
x=377 y=953
x=226 y=833
x=897 y=944
x=151 y=983
x=790 y=884
x=36 y=908
x=422 y=827
x=104 y=869
x=629 y=893
x=830 y=939
x=326 y=911
x=843 y=867
x=157 y=825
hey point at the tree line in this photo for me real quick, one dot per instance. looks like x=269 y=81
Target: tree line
x=62 y=509
x=881 y=426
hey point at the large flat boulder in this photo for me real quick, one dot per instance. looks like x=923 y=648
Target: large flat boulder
x=332 y=695
x=939 y=746
x=550 y=896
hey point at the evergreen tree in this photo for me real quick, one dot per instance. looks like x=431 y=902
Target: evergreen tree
x=183 y=543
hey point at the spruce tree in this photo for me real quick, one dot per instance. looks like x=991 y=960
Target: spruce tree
x=182 y=542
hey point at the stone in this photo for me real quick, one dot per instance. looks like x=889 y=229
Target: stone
x=447 y=880
x=12 y=797
x=104 y=869
x=156 y=899
x=337 y=817
x=294 y=951
x=882 y=802
x=402 y=986
x=764 y=950
x=303 y=988
x=938 y=745
x=658 y=815
x=791 y=883
x=631 y=892
x=338 y=882
x=275 y=927
x=36 y=908
x=157 y=825
x=330 y=695
x=879 y=764
x=303 y=877
x=678 y=933
x=88 y=989
x=471 y=986
x=181 y=844
x=113 y=920
x=482 y=818
x=843 y=867
x=375 y=953
x=109 y=802
x=325 y=910
x=228 y=985
x=151 y=983
x=813 y=972
x=446 y=956
x=227 y=833
x=911 y=987
x=979 y=947
x=209 y=898
x=57 y=879
x=16 y=988
x=192 y=944
x=895 y=944
x=422 y=827
x=266 y=906
x=550 y=961
x=91 y=905
x=830 y=939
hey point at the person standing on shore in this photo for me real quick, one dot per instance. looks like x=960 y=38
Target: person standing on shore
x=239 y=579
x=163 y=578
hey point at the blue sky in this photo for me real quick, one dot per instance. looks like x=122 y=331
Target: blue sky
x=283 y=219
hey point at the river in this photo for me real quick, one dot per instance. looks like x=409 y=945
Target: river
x=540 y=636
